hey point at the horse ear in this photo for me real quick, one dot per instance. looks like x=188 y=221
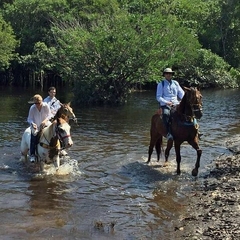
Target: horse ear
x=61 y=104
x=69 y=104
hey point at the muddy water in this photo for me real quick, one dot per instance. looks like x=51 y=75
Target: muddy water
x=109 y=192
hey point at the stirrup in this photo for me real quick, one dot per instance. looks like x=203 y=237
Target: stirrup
x=169 y=136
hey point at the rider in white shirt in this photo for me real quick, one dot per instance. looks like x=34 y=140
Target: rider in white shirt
x=38 y=118
x=52 y=101
x=54 y=105
x=169 y=93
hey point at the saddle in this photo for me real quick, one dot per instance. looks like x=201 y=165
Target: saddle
x=183 y=120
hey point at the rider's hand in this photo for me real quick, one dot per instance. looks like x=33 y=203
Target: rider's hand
x=43 y=124
x=169 y=104
x=34 y=125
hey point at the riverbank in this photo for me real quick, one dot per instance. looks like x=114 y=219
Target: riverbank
x=214 y=209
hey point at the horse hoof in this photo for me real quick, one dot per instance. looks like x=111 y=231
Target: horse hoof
x=194 y=172
x=147 y=162
x=165 y=164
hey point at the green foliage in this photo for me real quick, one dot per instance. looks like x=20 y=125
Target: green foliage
x=210 y=70
x=41 y=59
x=31 y=20
x=221 y=29
x=121 y=51
x=87 y=11
x=8 y=44
x=104 y=48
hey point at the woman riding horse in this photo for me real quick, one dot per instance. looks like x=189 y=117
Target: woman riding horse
x=48 y=147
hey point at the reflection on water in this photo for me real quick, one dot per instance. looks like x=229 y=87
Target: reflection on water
x=110 y=192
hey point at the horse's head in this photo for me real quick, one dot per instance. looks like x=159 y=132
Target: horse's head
x=194 y=99
x=66 y=112
x=63 y=132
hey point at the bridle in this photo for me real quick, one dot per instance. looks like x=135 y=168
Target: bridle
x=195 y=101
x=59 y=136
x=58 y=133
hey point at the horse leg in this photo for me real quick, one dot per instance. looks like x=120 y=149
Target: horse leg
x=158 y=146
x=167 y=151
x=57 y=162
x=151 y=145
x=23 y=157
x=41 y=166
x=178 y=157
x=195 y=145
x=197 y=164
x=150 y=151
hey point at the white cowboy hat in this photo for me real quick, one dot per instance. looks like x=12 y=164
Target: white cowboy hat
x=168 y=70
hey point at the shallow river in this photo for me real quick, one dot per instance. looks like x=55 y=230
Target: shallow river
x=105 y=191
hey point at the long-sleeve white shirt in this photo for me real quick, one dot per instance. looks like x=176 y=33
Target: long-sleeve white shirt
x=37 y=117
x=169 y=91
x=53 y=103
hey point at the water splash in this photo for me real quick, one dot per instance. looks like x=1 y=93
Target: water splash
x=68 y=166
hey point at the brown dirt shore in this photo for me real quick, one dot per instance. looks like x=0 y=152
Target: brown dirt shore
x=214 y=209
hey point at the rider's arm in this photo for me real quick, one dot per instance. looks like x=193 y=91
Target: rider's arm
x=180 y=92
x=30 y=118
x=47 y=113
x=160 y=96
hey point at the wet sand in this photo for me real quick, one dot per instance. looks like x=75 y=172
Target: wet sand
x=214 y=209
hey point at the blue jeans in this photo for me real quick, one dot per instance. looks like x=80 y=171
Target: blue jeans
x=33 y=143
x=166 y=110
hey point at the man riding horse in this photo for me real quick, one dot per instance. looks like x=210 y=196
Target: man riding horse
x=169 y=93
x=52 y=101
x=54 y=105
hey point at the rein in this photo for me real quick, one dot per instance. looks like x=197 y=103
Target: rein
x=44 y=145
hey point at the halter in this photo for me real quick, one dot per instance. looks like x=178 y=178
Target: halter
x=59 y=137
x=195 y=107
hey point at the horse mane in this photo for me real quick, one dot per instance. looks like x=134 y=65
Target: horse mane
x=181 y=106
x=61 y=120
x=184 y=107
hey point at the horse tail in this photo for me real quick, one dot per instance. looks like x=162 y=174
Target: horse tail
x=156 y=137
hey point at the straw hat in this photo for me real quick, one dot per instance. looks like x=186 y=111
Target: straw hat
x=168 y=70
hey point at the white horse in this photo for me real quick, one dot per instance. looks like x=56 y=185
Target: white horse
x=48 y=147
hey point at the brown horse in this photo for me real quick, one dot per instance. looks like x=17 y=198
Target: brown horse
x=65 y=112
x=184 y=128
